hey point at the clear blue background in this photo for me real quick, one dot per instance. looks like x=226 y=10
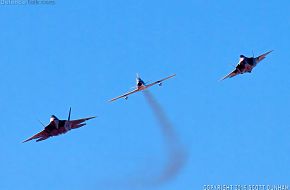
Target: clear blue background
x=81 y=54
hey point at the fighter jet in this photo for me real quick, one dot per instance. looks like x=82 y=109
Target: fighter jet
x=140 y=85
x=57 y=127
x=246 y=65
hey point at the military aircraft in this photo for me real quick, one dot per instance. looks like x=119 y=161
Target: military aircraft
x=140 y=85
x=246 y=64
x=57 y=127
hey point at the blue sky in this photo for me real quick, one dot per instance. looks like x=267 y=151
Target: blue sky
x=80 y=54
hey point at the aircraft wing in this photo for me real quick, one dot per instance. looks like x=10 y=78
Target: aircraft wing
x=124 y=95
x=159 y=81
x=261 y=57
x=80 y=121
x=232 y=74
x=41 y=135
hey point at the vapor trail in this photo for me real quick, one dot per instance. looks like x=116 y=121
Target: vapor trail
x=177 y=155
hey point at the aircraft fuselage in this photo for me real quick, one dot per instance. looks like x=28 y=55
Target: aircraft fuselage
x=246 y=65
x=140 y=84
x=60 y=125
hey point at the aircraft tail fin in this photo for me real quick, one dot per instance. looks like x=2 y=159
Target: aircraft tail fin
x=69 y=114
x=67 y=124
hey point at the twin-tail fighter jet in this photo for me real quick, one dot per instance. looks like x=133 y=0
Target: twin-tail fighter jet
x=246 y=65
x=57 y=127
x=141 y=85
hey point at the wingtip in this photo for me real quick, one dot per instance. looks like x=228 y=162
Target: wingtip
x=221 y=79
x=112 y=100
x=269 y=52
x=91 y=117
x=225 y=77
x=26 y=140
x=170 y=76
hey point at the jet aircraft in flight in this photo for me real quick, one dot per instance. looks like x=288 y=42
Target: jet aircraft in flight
x=246 y=65
x=57 y=127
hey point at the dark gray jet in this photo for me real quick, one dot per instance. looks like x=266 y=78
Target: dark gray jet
x=57 y=127
x=246 y=65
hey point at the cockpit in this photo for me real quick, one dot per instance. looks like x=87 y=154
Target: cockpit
x=53 y=117
x=140 y=82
